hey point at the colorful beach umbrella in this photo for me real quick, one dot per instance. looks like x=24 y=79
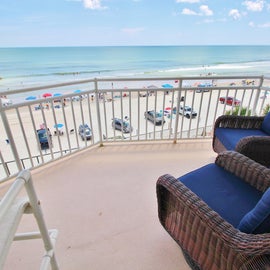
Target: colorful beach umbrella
x=58 y=125
x=167 y=85
x=77 y=91
x=57 y=94
x=31 y=98
x=152 y=86
x=45 y=95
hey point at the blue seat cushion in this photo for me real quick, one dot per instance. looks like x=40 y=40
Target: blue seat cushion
x=229 y=137
x=258 y=219
x=230 y=196
x=266 y=124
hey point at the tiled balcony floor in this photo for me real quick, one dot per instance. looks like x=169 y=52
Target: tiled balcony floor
x=103 y=202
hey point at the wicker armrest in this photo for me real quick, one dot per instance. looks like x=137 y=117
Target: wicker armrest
x=256 y=148
x=237 y=121
x=242 y=166
x=202 y=233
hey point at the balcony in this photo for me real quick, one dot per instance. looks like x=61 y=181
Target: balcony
x=103 y=202
x=100 y=193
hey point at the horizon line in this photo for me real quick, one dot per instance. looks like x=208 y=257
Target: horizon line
x=95 y=46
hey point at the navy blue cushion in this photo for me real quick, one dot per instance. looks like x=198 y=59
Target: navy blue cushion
x=266 y=124
x=229 y=137
x=230 y=196
x=258 y=219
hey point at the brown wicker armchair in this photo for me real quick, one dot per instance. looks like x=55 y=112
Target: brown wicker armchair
x=254 y=145
x=206 y=239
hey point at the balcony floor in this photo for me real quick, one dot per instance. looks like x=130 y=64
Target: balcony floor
x=103 y=202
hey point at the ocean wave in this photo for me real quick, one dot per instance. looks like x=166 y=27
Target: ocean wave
x=83 y=72
x=219 y=68
x=60 y=73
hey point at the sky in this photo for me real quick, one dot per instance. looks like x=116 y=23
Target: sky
x=31 y=23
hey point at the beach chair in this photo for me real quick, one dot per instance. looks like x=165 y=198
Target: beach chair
x=249 y=135
x=12 y=209
x=219 y=214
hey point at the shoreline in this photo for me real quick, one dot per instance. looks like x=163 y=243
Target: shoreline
x=24 y=67
x=119 y=83
x=8 y=84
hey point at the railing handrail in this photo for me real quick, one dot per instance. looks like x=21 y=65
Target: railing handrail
x=138 y=100
x=122 y=79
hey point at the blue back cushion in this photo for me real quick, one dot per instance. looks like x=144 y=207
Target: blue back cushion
x=230 y=196
x=266 y=124
x=229 y=137
x=258 y=219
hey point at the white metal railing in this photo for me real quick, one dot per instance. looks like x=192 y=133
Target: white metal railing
x=96 y=102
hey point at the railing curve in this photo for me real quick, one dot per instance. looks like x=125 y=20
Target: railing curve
x=154 y=109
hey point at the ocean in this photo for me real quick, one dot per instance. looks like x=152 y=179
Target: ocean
x=27 y=67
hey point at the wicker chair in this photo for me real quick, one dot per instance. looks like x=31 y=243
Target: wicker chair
x=207 y=240
x=252 y=140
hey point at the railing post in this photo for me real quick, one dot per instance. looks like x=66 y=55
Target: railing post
x=10 y=137
x=98 y=113
x=5 y=166
x=177 y=110
x=257 y=97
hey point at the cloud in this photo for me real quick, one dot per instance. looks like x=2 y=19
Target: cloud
x=235 y=14
x=187 y=11
x=93 y=4
x=265 y=25
x=206 y=11
x=254 y=5
x=188 y=1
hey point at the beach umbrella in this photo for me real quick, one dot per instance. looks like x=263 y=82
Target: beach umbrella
x=166 y=85
x=152 y=86
x=58 y=125
x=45 y=95
x=30 y=98
x=77 y=91
x=57 y=94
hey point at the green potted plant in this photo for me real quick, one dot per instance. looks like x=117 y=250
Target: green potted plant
x=235 y=111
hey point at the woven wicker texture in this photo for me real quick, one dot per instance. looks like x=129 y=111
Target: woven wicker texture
x=207 y=240
x=255 y=147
